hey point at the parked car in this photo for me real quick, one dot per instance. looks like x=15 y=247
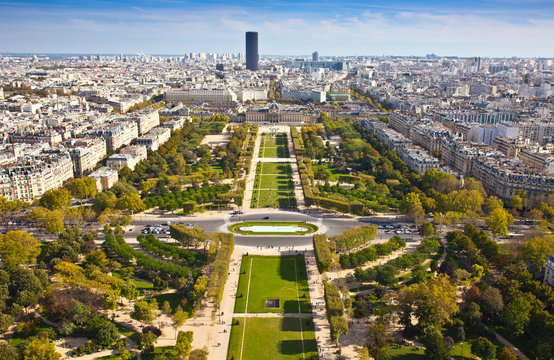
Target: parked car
x=265 y=218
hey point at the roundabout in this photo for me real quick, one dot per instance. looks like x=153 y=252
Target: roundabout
x=283 y=228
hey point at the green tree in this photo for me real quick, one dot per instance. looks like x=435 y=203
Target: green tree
x=58 y=199
x=83 y=188
x=41 y=349
x=377 y=341
x=131 y=202
x=104 y=331
x=5 y=322
x=166 y=308
x=506 y=354
x=492 y=203
x=183 y=346
x=434 y=345
x=432 y=302
x=427 y=229
x=187 y=236
x=498 y=222
x=516 y=315
x=179 y=318
x=144 y=311
x=147 y=341
x=18 y=247
x=189 y=206
x=483 y=348
x=536 y=252
x=9 y=352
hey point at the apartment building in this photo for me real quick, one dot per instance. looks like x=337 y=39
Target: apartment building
x=539 y=132
x=537 y=161
x=86 y=153
x=146 y=120
x=31 y=137
x=30 y=179
x=105 y=178
x=418 y=159
x=305 y=95
x=118 y=135
x=155 y=138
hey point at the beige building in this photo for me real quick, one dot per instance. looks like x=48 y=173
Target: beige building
x=28 y=180
x=201 y=95
x=146 y=120
x=537 y=161
x=155 y=138
x=275 y=115
x=86 y=153
x=118 y=135
x=105 y=178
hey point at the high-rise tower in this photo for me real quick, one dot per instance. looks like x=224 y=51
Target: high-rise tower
x=315 y=56
x=252 y=50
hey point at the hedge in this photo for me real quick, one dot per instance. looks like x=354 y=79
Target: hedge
x=354 y=237
x=220 y=270
x=335 y=310
x=371 y=253
x=323 y=255
x=152 y=244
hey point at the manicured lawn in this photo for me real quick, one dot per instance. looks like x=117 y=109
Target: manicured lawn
x=174 y=299
x=334 y=172
x=237 y=227
x=273 y=198
x=404 y=352
x=274 y=146
x=456 y=351
x=280 y=182
x=276 y=168
x=273 y=277
x=140 y=285
x=157 y=351
x=273 y=338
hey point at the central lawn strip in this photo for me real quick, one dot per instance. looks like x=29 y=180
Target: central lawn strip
x=236 y=227
x=273 y=338
x=273 y=278
x=281 y=182
x=276 y=198
x=274 y=146
x=276 y=168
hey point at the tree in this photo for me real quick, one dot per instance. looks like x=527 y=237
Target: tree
x=409 y=200
x=58 y=199
x=18 y=247
x=516 y=315
x=432 y=302
x=9 y=352
x=179 y=318
x=516 y=202
x=498 y=221
x=491 y=302
x=435 y=348
x=41 y=349
x=166 y=308
x=377 y=341
x=145 y=311
x=189 y=206
x=5 y=322
x=83 y=188
x=427 y=229
x=147 y=341
x=492 y=203
x=187 y=236
x=105 y=332
x=416 y=213
x=131 y=202
x=483 y=348
x=183 y=346
x=536 y=252
x=506 y=354
x=199 y=354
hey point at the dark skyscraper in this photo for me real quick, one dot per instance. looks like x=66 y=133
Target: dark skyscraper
x=252 y=50
x=315 y=56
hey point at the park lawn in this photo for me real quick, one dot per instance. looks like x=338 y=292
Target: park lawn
x=139 y=284
x=404 y=352
x=281 y=182
x=157 y=351
x=276 y=168
x=268 y=141
x=268 y=152
x=274 y=198
x=273 y=277
x=334 y=172
x=456 y=351
x=174 y=299
x=272 y=338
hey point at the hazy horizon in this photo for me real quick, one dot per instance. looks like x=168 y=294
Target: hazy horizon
x=489 y=28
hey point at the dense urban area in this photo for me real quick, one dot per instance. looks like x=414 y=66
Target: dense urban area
x=212 y=206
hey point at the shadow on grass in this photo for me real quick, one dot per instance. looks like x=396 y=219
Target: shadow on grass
x=291 y=347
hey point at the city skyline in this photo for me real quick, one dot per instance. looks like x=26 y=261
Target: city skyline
x=502 y=28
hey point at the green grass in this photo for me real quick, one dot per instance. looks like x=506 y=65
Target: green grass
x=456 y=351
x=140 y=285
x=273 y=338
x=276 y=182
x=276 y=168
x=334 y=172
x=273 y=198
x=273 y=277
x=404 y=352
x=274 y=146
x=157 y=351
x=236 y=227
x=174 y=299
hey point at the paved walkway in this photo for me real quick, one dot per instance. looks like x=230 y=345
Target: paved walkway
x=298 y=192
x=251 y=176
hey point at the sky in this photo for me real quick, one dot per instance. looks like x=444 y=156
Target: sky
x=487 y=28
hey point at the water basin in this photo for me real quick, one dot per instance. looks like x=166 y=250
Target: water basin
x=273 y=228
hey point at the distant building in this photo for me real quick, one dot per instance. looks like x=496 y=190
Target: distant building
x=314 y=95
x=315 y=56
x=275 y=115
x=201 y=95
x=549 y=272
x=252 y=56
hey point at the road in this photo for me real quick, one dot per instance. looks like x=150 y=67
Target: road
x=328 y=223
